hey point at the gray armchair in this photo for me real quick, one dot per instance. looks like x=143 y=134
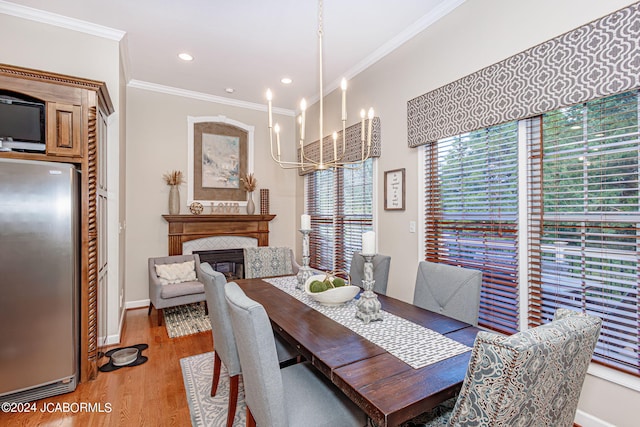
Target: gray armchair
x=224 y=343
x=381 y=264
x=310 y=400
x=449 y=290
x=532 y=378
x=166 y=295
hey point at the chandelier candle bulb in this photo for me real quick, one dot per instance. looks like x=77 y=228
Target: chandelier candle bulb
x=335 y=146
x=362 y=116
x=343 y=85
x=303 y=107
x=277 y=130
x=305 y=222
x=269 y=98
x=370 y=126
x=369 y=243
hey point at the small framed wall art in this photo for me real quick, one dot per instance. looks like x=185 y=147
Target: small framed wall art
x=394 y=191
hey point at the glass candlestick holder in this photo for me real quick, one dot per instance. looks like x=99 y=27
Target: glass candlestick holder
x=368 y=306
x=305 y=271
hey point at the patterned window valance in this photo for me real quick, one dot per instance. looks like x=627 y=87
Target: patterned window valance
x=353 y=151
x=596 y=60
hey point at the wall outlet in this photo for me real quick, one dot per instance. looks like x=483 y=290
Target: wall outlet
x=412 y=226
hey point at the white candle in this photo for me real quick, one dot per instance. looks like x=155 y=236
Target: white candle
x=362 y=116
x=335 y=146
x=269 y=97
x=277 y=129
x=369 y=243
x=303 y=108
x=343 y=84
x=305 y=222
x=370 y=125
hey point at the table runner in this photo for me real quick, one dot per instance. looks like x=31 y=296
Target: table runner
x=415 y=345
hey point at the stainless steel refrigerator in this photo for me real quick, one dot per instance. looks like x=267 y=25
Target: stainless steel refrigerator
x=39 y=279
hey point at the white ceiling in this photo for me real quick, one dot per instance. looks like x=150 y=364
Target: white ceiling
x=247 y=45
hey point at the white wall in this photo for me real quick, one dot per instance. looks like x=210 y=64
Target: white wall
x=52 y=48
x=156 y=144
x=476 y=34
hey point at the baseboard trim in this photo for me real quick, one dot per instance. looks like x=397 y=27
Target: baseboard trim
x=587 y=420
x=115 y=338
x=137 y=304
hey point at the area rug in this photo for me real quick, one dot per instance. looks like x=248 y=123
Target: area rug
x=197 y=372
x=186 y=320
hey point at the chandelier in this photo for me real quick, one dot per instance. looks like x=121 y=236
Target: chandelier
x=307 y=163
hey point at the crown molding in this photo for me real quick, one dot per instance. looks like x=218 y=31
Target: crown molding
x=410 y=32
x=153 y=87
x=37 y=15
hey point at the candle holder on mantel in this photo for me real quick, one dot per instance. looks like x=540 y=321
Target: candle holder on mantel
x=368 y=306
x=305 y=271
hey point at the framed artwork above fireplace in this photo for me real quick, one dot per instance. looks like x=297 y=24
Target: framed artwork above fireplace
x=220 y=152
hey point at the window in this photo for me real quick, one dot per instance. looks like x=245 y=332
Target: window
x=583 y=218
x=471 y=215
x=586 y=244
x=340 y=203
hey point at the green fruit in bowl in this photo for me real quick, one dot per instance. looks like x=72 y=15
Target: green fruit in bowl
x=338 y=282
x=317 y=286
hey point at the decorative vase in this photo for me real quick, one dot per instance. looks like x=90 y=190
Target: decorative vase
x=251 y=207
x=174 y=200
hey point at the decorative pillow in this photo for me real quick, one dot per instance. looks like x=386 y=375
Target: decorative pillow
x=176 y=273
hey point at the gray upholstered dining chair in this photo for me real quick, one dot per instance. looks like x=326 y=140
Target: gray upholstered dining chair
x=381 y=264
x=531 y=378
x=269 y=261
x=310 y=398
x=449 y=290
x=224 y=343
x=174 y=281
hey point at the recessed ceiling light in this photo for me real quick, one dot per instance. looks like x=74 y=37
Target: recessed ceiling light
x=286 y=80
x=185 y=57
x=229 y=90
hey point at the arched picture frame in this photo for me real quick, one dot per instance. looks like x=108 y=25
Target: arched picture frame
x=220 y=153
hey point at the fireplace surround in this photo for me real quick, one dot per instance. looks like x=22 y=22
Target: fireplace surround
x=184 y=228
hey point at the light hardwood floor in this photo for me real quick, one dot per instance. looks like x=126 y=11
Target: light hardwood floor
x=151 y=394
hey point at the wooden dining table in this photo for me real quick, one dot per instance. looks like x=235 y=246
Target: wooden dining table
x=387 y=389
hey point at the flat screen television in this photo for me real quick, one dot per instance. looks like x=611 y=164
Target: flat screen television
x=22 y=124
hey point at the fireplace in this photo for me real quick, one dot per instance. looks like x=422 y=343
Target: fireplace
x=229 y=262
x=185 y=228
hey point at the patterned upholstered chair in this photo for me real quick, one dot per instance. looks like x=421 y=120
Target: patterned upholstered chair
x=269 y=261
x=224 y=343
x=532 y=378
x=173 y=281
x=310 y=399
x=381 y=264
x=449 y=290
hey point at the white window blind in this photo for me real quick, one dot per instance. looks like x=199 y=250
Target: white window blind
x=340 y=203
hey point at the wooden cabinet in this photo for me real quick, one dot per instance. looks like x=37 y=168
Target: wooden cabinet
x=64 y=129
x=75 y=129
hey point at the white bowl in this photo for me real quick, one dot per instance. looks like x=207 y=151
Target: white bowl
x=125 y=356
x=335 y=296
